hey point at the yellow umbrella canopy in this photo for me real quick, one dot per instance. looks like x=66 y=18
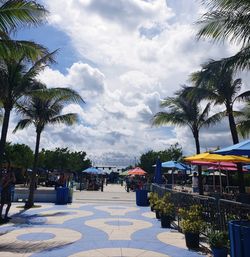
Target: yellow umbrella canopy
x=217 y=158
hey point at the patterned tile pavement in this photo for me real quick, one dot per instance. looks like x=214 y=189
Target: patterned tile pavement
x=83 y=229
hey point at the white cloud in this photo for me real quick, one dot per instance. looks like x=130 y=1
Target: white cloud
x=140 y=52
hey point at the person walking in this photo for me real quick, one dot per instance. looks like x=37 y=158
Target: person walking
x=128 y=184
x=8 y=180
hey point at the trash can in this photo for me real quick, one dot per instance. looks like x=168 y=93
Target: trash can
x=239 y=235
x=62 y=195
x=142 y=197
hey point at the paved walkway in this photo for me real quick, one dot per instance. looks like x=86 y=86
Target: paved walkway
x=97 y=224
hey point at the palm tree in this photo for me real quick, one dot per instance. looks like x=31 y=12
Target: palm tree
x=41 y=108
x=13 y=55
x=183 y=112
x=15 y=14
x=216 y=84
x=16 y=79
x=228 y=19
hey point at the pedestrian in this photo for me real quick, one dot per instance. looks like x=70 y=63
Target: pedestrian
x=62 y=181
x=8 y=181
x=195 y=183
x=127 y=184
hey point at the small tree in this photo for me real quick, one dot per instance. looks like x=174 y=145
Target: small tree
x=41 y=108
x=181 y=111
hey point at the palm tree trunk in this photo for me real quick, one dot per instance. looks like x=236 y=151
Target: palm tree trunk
x=5 y=127
x=235 y=138
x=197 y=144
x=232 y=125
x=32 y=188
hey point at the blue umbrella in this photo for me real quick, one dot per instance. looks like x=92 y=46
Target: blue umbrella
x=93 y=170
x=174 y=165
x=158 y=175
x=242 y=148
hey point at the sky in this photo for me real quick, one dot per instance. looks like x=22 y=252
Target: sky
x=123 y=57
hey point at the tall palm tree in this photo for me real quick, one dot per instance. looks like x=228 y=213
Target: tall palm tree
x=183 y=112
x=216 y=84
x=16 y=79
x=14 y=53
x=41 y=108
x=15 y=14
x=228 y=19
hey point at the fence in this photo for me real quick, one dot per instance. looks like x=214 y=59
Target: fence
x=216 y=212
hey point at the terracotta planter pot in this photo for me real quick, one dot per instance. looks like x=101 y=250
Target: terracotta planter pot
x=192 y=240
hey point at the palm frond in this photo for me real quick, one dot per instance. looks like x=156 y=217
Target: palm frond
x=15 y=13
x=68 y=119
x=226 y=19
x=66 y=95
x=244 y=96
x=164 y=118
x=239 y=61
x=16 y=49
x=40 y=65
x=22 y=124
x=243 y=128
x=204 y=114
x=212 y=120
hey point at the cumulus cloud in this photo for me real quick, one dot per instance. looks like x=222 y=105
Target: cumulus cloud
x=138 y=52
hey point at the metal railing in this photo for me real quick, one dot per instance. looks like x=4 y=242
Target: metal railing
x=216 y=212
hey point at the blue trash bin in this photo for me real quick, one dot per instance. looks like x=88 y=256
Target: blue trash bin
x=142 y=197
x=62 y=195
x=239 y=235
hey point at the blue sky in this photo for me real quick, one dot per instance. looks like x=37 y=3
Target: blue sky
x=53 y=39
x=123 y=57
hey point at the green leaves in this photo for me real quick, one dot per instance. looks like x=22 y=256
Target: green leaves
x=44 y=106
x=226 y=19
x=192 y=219
x=184 y=110
x=16 y=13
x=218 y=239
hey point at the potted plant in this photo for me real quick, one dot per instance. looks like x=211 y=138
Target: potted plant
x=218 y=241
x=167 y=214
x=157 y=208
x=153 y=197
x=192 y=225
x=167 y=211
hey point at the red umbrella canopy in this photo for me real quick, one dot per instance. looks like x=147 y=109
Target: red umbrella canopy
x=215 y=164
x=137 y=171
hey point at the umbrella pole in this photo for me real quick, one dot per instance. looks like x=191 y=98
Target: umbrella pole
x=172 y=179
x=214 y=181
x=220 y=179
x=227 y=178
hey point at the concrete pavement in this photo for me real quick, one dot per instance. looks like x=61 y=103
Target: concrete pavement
x=96 y=224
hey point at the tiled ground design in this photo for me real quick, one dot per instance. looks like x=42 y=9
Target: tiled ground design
x=89 y=230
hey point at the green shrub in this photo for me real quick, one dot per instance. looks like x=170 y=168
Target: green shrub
x=192 y=219
x=218 y=239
